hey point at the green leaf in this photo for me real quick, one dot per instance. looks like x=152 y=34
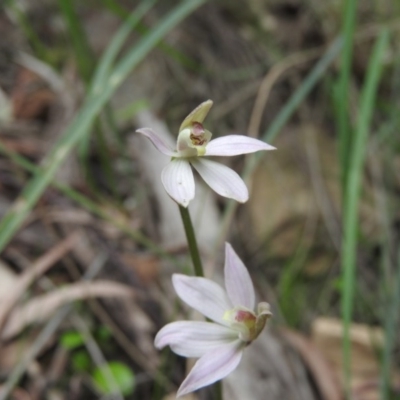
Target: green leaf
x=103 y=333
x=114 y=375
x=80 y=361
x=71 y=340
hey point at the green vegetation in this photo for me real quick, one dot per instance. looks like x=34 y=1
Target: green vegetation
x=320 y=80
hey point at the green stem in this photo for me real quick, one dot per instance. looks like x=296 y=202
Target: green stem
x=345 y=137
x=352 y=196
x=191 y=239
x=198 y=267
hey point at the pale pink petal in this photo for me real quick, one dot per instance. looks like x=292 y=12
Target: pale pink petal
x=234 y=145
x=159 y=144
x=221 y=179
x=193 y=338
x=178 y=181
x=212 y=367
x=238 y=283
x=203 y=295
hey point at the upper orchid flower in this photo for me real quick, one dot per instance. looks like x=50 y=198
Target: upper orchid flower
x=219 y=345
x=194 y=142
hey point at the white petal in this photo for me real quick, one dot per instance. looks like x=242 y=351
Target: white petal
x=159 y=144
x=238 y=283
x=178 y=181
x=212 y=367
x=193 y=338
x=203 y=295
x=234 y=145
x=221 y=179
x=197 y=115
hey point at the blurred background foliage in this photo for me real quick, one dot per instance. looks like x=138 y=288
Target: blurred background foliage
x=320 y=233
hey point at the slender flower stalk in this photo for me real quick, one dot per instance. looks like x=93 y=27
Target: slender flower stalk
x=193 y=143
x=219 y=345
x=192 y=242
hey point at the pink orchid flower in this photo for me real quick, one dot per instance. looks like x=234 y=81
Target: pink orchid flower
x=194 y=142
x=219 y=345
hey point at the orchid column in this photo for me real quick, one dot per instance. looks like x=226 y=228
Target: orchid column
x=233 y=309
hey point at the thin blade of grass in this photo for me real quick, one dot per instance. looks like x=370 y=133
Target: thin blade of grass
x=141 y=28
x=110 y=54
x=352 y=195
x=101 y=75
x=21 y=19
x=300 y=94
x=342 y=94
x=82 y=123
x=83 y=52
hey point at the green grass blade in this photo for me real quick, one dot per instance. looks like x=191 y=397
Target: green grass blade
x=110 y=54
x=342 y=94
x=83 y=52
x=82 y=123
x=100 y=76
x=288 y=285
x=115 y=8
x=304 y=89
x=352 y=194
x=37 y=46
x=141 y=28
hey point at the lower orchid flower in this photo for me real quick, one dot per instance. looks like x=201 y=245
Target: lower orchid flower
x=194 y=142
x=219 y=345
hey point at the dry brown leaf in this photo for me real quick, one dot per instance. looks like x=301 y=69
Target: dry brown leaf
x=25 y=146
x=7 y=280
x=31 y=96
x=326 y=380
x=23 y=281
x=299 y=189
x=289 y=192
x=145 y=266
x=5 y=108
x=12 y=353
x=327 y=335
x=19 y=394
x=40 y=308
x=71 y=216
